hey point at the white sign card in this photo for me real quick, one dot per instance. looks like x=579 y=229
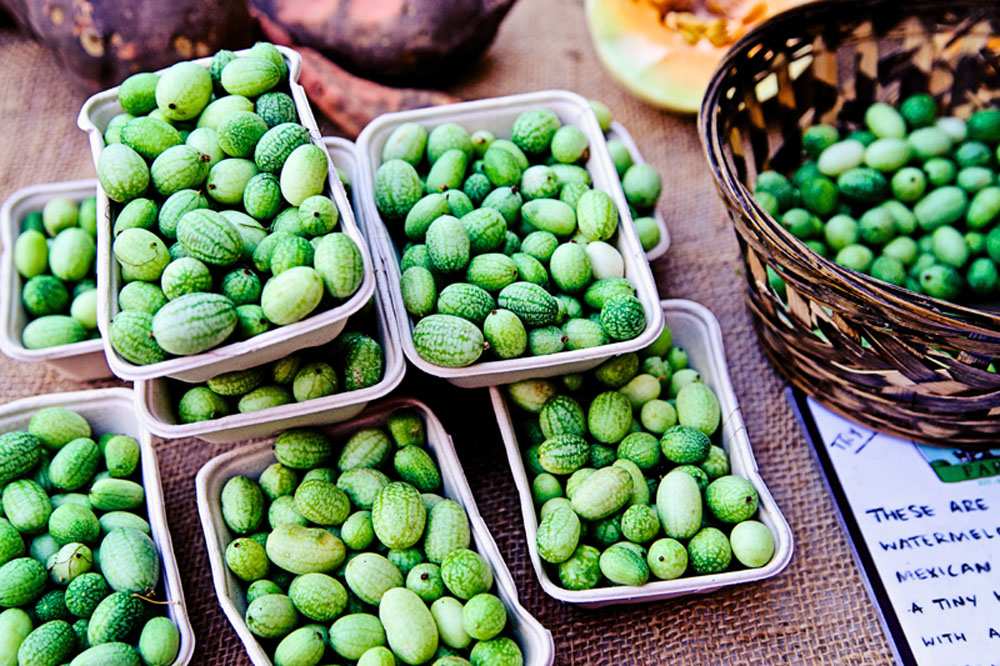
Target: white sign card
x=925 y=526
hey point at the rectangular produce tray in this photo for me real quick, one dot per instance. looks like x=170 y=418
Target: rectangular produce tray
x=277 y=343
x=619 y=132
x=497 y=115
x=696 y=329
x=111 y=410
x=157 y=407
x=535 y=641
x=83 y=360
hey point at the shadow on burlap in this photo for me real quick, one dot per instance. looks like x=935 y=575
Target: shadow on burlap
x=814 y=612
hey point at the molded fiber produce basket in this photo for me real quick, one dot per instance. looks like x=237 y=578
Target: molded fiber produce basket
x=497 y=115
x=697 y=330
x=111 y=410
x=156 y=402
x=82 y=360
x=894 y=360
x=619 y=132
x=535 y=641
x=317 y=329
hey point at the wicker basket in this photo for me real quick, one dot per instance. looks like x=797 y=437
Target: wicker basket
x=895 y=360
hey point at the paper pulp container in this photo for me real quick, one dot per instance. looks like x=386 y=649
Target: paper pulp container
x=276 y=343
x=535 y=641
x=81 y=360
x=619 y=132
x=696 y=329
x=497 y=115
x=111 y=410
x=157 y=403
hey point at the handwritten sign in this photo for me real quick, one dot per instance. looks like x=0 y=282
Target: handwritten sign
x=930 y=518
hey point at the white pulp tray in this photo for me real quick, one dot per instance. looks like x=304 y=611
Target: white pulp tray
x=497 y=115
x=111 y=410
x=619 y=132
x=279 y=342
x=82 y=360
x=535 y=641
x=157 y=405
x=697 y=330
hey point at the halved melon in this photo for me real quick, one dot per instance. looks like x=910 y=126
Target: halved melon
x=665 y=51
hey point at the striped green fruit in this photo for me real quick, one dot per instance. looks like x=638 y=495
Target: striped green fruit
x=72 y=254
x=466 y=301
x=131 y=335
x=26 y=505
x=563 y=454
x=22 y=580
x=142 y=255
x=52 y=331
x=397 y=189
x=19 y=453
x=370 y=575
x=352 y=635
x=623 y=317
x=603 y=493
x=492 y=271
x=115 y=618
x=550 y=215
x=219 y=109
x=302 y=550
x=122 y=172
x=530 y=302
x=562 y=415
x=130 y=561
x=209 y=237
x=304 y=173
x=184 y=276
x=609 y=417
x=362 y=359
x=249 y=76
x=419 y=291
x=398 y=515
x=601 y=291
x=558 y=535
x=194 y=323
x=596 y=215
x=415 y=466
x=679 y=505
x=447 y=530
x=339 y=262
x=570 y=267
x=228 y=179
x=292 y=295
x=447 y=172
x=302 y=448
x=176 y=205
x=409 y=626
x=239 y=133
x=262 y=196
x=486 y=229
x=505 y=334
x=74 y=464
x=423 y=213
x=49 y=644
x=264 y=397
x=583 y=334
x=448 y=244
x=366 y=448
x=178 y=168
x=149 y=136
x=448 y=341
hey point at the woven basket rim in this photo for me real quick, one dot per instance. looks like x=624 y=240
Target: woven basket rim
x=976 y=320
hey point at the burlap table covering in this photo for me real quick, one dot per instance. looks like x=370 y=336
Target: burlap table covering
x=814 y=612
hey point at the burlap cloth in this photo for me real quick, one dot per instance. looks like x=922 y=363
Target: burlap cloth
x=814 y=612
